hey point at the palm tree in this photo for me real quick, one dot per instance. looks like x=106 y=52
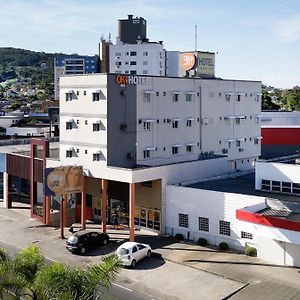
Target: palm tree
x=29 y=277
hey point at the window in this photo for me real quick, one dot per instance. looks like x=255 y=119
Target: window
x=266 y=185
x=77 y=150
x=145 y=53
x=296 y=188
x=96 y=96
x=175 y=124
x=203 y=224
x=96 y=126
x=147 y=126
x=69 y=153
x=77 y=122
x=146 y=153
x=237 y=121
x=227 y=97
x=69 y=96
x=157 y=94
x=69 y=125
x=77 y=93
x=175 y=150
x=145 y=72
x=134 y=249
x=189 y=148
x=147 y=184
x=257 y=120
x=286 y=187
x=133 y=72
x=175 y=97
x=133 y=63
x=238 y=98
x=183 y=220
x=246 y=235
x=164 y=93
x=84 y=93
x=145 y=63
x=118 y=54
x=132 y=53
x=96 y=156
x=189 y=123
x=256 y=141
x=118 y=63
x=276 y=185
x=238 y=143
x=147 y=97
x=224 y=228
x=126 y=62
x=86 y=122
x=85 y=152
x=257 y=97
x=188 y=97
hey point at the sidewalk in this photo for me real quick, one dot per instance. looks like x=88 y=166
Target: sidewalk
x=200 y=272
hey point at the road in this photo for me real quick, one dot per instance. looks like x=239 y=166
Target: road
x=115 y=292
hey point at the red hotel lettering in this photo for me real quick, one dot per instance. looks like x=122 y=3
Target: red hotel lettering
x=121 y=79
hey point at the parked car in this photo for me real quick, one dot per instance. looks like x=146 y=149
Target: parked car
x=84 y=240
x=131 y=252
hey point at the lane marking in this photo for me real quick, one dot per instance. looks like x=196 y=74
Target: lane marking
x=121 y=287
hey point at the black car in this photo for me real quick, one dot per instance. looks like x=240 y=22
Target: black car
x=84 y=240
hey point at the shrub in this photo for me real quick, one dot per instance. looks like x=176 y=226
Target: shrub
x=223 y=246
x=250 y=251
x=202 y=242
x=179 y=236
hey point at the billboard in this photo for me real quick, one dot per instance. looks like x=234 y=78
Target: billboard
x=63 y=180
x=187 y=60
x=206 y=63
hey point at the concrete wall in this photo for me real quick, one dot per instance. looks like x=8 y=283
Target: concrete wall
x=276 y=171
x=121 y=109
x=209 y=204
x=149 y=197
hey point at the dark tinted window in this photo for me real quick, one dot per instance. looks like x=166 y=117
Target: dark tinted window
x=141 y=247
x=134 y=249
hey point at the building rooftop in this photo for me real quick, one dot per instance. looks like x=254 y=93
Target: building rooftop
x=241 y=185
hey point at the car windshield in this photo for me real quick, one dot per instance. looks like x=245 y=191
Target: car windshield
x=122 y=251
x=73 y=239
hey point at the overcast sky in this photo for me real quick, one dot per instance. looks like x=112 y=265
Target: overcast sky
x=257 y=40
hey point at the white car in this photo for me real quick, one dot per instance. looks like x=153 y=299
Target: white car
x=131 y=252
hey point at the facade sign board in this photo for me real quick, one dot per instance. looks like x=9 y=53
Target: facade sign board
x=187 y=60
x=206 y=63
x=63 y=180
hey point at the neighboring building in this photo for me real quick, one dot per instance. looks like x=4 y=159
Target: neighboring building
x=9 y=119
x=31 y=131
x=281 y=133
x=73 y=64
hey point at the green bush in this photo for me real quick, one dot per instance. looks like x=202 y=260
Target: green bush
x=202 y=242
x=223 y=246
x=250 y=251
x=179 y=236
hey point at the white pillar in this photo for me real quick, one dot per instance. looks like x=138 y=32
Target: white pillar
x=5 y=189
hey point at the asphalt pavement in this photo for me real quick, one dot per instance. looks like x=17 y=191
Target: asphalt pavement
x=177 y=270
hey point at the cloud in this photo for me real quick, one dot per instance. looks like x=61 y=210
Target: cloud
x=289 y=29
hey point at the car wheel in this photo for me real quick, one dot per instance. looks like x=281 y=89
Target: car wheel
x=149 y=253
x=133 y=263
x=82 y=250
x=105 y=242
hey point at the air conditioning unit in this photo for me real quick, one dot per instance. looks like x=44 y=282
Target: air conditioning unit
x=131 y=155
x=123 y=126
x=241 y=150
x=224 y=151
x=168 y=120
x=140 y=121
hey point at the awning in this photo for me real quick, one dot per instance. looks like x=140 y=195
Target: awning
x=190 y=144
x=230 y=94
x=191 y=93
x=70 y=149
x=241 y=94
x=258 y=137
x=190 y=119
x=98 y=152
x=241 y=117
x=148 y=120
x=240 y=139
x=150 y=148
x=177 y=145
x=230 y=117
x=98 y=122
x=176 y=119
x=229 y=140
x=70 y=121
x=261 y=116
x=177 y=92
x=98 y=92
x=149 y=92
x=70 y=92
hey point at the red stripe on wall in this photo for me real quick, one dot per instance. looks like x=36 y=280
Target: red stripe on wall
x=280 y=136
x=267 y=220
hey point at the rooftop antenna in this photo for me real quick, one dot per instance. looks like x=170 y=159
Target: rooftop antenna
x=109 y=37
x=196 y=29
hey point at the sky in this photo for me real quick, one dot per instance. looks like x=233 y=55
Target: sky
x=255 y=40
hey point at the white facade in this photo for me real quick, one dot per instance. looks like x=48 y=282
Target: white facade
x=10 y=119
x=213 y=208
x=280 y=119
x=141 y=59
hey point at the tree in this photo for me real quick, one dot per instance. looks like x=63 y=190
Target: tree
x=28 y=276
